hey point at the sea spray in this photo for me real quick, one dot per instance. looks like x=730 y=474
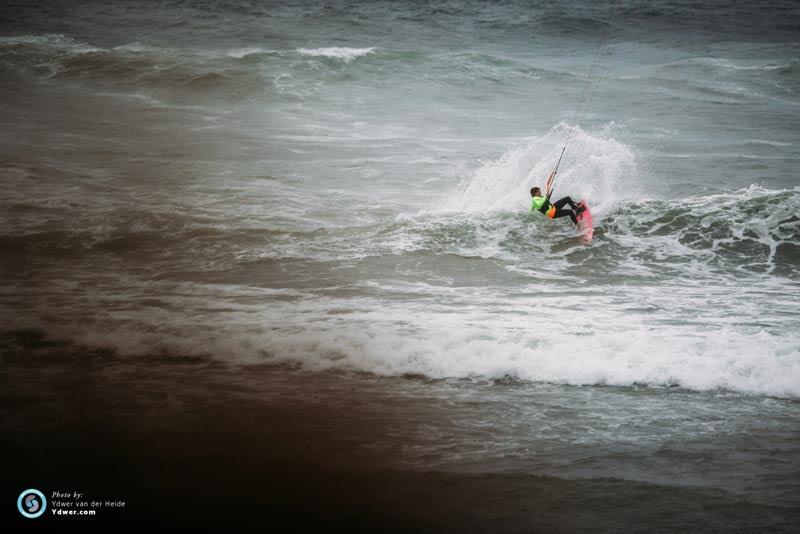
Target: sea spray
x=596 y=167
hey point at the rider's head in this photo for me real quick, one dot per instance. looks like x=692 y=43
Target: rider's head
x=536 y=192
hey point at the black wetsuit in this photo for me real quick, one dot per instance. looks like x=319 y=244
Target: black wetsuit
x=561 y=212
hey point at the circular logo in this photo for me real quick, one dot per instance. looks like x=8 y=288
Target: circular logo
x=31 y=503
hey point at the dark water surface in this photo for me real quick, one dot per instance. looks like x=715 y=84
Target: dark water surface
x=194 y=442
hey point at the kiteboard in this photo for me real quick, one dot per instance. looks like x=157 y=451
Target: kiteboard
x=585 y=227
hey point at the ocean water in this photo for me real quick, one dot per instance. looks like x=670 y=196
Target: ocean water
x=338 y=192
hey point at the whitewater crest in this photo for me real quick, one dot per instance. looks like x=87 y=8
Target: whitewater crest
x=345 y=54
x=51 y=41
x=628 y=354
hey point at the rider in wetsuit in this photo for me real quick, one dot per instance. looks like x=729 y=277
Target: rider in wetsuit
x=556 y=209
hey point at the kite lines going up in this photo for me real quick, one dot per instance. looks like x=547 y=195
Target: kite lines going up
x=597 y=72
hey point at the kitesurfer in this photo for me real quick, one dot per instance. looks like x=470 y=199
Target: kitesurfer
x=556 y=209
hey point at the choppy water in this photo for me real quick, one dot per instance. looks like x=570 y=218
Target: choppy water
x=343 y=187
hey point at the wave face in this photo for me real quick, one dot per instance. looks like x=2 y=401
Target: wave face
x=345 y=188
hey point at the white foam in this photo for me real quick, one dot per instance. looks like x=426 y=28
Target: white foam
x=135 y=47
x=726 y=64
x=50 y=40
x=687 y=338
x=345 y=54
x=240 y=53
x=562 y=341
x=638 y=356
x=767 y=142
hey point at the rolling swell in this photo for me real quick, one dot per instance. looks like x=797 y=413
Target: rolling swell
x=187 y=73
x=256 y=72
x=753 y=230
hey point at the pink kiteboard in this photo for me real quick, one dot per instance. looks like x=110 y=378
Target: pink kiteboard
x=585 y=227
